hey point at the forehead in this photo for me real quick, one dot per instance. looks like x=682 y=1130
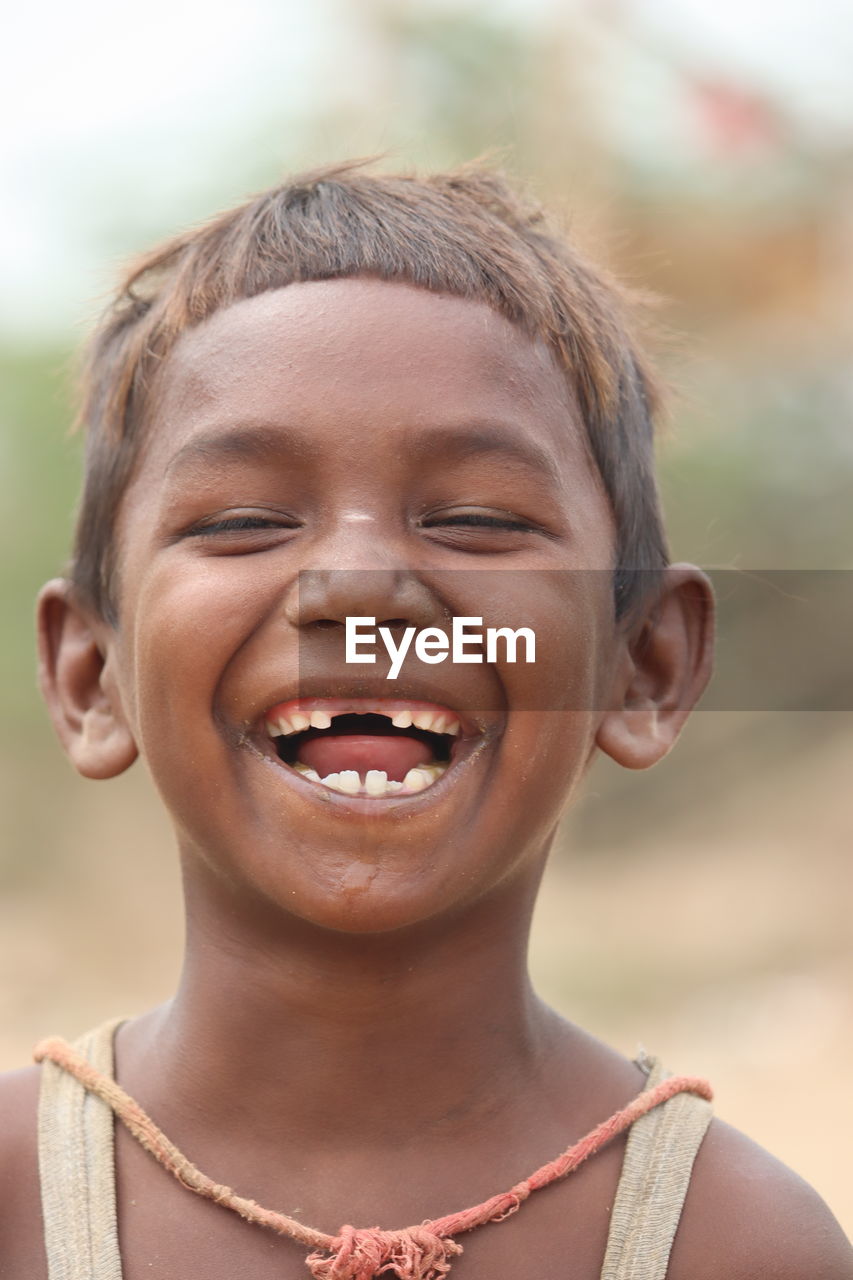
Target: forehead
x=344 y=360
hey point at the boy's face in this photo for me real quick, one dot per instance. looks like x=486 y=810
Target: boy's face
x=349 y=426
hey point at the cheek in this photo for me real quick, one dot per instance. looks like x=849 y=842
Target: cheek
x=570 y=612
x=546 y=754
x=187 y=626
x=557 y=704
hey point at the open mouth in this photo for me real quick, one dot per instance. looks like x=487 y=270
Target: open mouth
x=365 y=747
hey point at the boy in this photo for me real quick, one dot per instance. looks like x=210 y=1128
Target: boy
x=346 y=400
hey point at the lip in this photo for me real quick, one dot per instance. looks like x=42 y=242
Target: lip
x=472 y=739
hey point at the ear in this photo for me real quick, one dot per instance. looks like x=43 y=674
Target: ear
x=665 y=664
x=76 y=659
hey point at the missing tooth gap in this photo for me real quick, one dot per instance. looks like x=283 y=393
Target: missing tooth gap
x=287 y=747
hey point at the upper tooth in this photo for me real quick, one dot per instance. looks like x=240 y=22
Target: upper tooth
x=298 y=721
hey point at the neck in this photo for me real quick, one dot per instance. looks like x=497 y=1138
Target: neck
x=280 y=1029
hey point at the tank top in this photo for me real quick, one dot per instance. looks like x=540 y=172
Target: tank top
x=77 y=1174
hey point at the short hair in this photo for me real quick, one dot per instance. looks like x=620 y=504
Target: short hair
x=467 y=233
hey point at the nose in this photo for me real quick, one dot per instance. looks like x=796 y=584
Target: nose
x=361 y=571
x=325 y=598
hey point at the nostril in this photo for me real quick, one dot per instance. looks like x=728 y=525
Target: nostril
x=393 y=622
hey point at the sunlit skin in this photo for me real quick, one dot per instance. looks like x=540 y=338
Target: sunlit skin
x=354 y=1038
x=324 y=438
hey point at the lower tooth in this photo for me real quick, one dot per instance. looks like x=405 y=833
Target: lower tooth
x=376 y=781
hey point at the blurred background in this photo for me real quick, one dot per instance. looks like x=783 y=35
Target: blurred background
x=703 y=150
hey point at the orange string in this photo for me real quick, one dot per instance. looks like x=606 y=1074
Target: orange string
x=421 y=1252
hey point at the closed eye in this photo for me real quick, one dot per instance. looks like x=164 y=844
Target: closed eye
x=239 y=524
x=483 y=521
x=241 y=533
x=481 y=532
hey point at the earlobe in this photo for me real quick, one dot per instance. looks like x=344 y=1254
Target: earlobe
x=666 y=662
x=77 y=683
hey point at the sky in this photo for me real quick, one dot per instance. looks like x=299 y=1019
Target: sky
x=114 y=113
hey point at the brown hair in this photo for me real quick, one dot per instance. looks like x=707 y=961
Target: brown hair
x=466 y=233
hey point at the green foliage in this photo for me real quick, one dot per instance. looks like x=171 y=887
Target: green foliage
x=467 y=80
x=759 y=475
x=40 y=478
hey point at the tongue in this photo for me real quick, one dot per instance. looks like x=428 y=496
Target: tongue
x=394 y=755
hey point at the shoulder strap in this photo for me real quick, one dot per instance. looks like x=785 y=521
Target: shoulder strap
x=656 y=1171
x=77 y=1169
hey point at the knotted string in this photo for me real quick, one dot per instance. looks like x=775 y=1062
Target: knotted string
x=422 y=1252
x=416 y=1253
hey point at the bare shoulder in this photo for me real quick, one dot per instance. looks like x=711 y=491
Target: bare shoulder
x=21 y=1241
x=747 y=1216
x=18 y=1112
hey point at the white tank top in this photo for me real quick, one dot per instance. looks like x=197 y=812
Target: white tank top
x=77 y=1173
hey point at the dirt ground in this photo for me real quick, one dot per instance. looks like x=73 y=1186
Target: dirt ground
x=718 y=935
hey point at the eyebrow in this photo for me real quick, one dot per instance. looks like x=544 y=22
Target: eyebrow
x=246 y=442
x=487 y=438
x=265 y=443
